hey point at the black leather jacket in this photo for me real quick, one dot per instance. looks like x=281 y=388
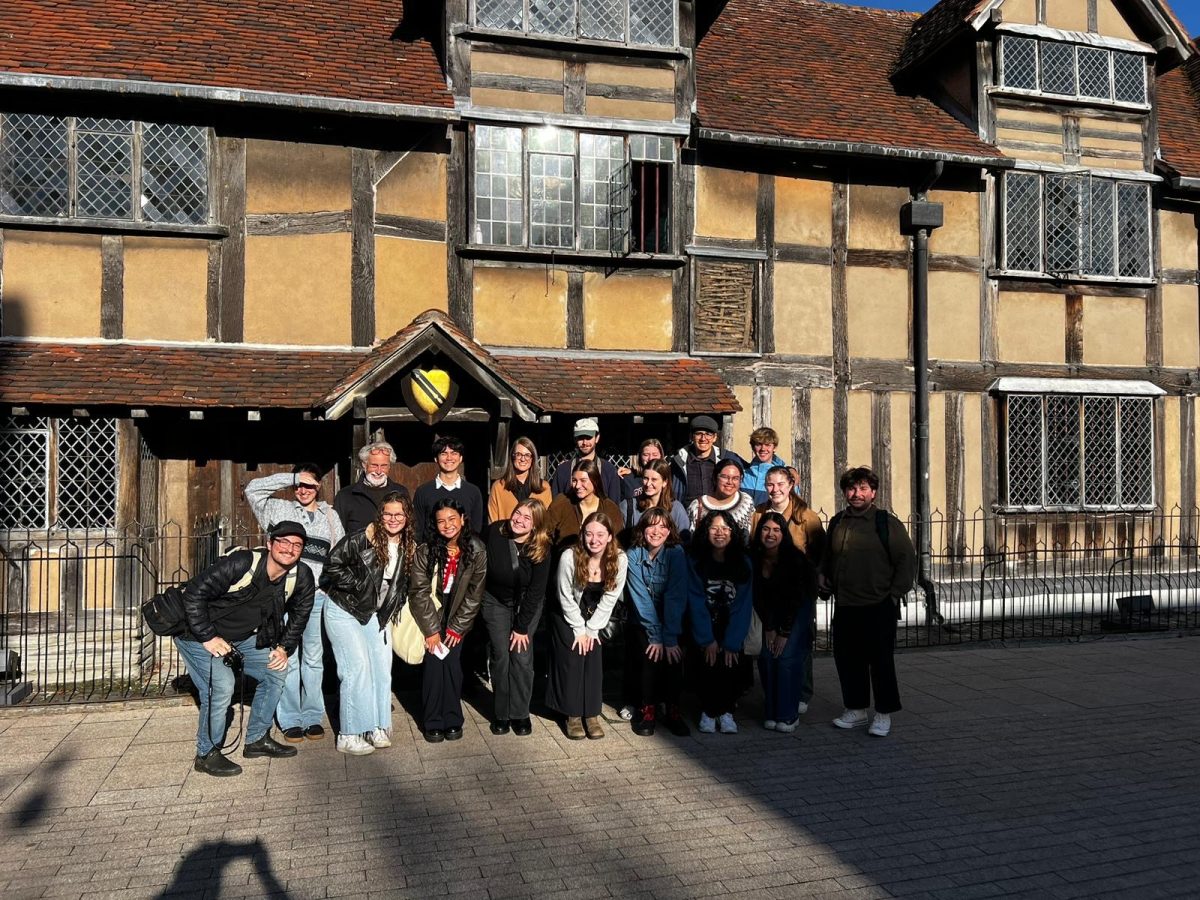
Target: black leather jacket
x=352 y=577
x=206 y=597
x=466 y=596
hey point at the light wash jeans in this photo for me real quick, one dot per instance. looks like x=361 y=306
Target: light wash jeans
x=364 y=662
x=302 y=703
x=216 y=682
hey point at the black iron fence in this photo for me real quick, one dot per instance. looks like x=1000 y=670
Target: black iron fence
x=72 y=631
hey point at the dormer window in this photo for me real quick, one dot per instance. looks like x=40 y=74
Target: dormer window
x=651 y=23
x=1072 y=71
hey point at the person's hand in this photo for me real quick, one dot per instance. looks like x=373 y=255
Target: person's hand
x=518 y=643
x=431 y=642
x=654 y=652
x=731 y=659
x=674 y=654
x=624 y=470
x=769 y=639
x=823 y=582
x=217 y=646
x=777 y=644
x=277 y=660
x=583 y=644
x=452 y=640
x=710 y=654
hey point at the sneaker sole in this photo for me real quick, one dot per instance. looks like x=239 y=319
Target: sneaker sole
x=843 y=725
x=366 y=752
x=879 y=733
x=314 y=737
x=294 y=740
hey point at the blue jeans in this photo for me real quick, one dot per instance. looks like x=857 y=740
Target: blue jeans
x=302 y=703
x=783 y=675
x=364 y=662
x=215 y=682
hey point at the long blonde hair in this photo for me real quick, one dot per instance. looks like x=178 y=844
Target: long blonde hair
x=537 y=546
x=608 y=562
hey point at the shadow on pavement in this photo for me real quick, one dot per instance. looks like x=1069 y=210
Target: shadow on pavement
x=200 y=871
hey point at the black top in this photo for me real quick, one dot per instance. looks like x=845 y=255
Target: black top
x=590 y=598
x=791 y=587
x=467 y=496
x=357 y=504
x=523 y=586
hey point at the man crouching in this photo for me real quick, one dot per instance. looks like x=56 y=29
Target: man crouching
x=235 y=614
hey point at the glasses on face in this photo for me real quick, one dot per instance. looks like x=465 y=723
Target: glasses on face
x=731 y=478
x=720 y=529
x=395 y=517
x=522 y=455
x=297 y=546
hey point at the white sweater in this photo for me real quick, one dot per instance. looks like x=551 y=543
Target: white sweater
x=569 y=595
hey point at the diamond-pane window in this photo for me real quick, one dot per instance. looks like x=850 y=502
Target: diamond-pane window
x=1093 y=73
x=34 y=169
x=1023 y=222
x=1067 y=451
x=103 y=168
x=1058 y=68
x=1133 y=230
x=1103 y=247
x=1019 y=62
x=24 y=473
x=640 y=22
x=555 y=188
x=1065 y=222
x=1129 y=77
x=87 y=473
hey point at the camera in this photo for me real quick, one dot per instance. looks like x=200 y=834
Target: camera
x=233 y=659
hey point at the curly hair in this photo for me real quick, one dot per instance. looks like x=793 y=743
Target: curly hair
x=701 y=548
x=666 y=499
x=537 y=546
x=379 y=535
x=655 y=516
x=439 y=547
x=609 y=559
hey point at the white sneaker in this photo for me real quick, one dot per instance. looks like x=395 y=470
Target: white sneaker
x=728 y=726
x=770 y=724
x=378 y=738
x=786 y=727
x=708 y=725
x=626 y=712
x=801 y=708
x=851 y=718
x=354 y=745
x=881 y=725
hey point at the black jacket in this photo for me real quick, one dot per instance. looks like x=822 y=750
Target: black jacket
x=352 y=577
x=356 y=507
x=521 y=587
x=260 y=605
x=466 y=595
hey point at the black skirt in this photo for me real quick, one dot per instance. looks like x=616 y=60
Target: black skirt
x=576 y=684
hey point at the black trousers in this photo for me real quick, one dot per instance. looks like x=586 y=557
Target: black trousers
x=650 y=682
x=512 y=672
x=718 y=685
x=441 y=690
x=864 y=641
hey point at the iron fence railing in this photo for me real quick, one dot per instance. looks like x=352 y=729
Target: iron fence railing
x=71 y=630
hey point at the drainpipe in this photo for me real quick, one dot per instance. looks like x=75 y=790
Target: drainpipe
x=918 y=218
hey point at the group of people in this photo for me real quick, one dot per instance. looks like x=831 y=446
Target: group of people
x=699 y=562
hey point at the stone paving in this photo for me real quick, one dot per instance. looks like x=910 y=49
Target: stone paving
x=1061 y=771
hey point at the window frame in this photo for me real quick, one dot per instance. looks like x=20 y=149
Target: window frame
x=1080 y=399
x=137 y=220
x=629 y=155
x=1085 y=250
x=1077 y=97
x=576 y=33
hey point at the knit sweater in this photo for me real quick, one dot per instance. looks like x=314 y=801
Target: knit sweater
x=323 y=528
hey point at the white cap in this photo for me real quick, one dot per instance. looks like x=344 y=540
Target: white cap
x=586 y=428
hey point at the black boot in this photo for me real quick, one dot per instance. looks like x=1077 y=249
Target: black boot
x=267 y=746
x=214 y=763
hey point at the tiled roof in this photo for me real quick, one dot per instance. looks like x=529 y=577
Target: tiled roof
x=351 y=50
x=815 y=71
x=191 y=377
x=937 y=27
x=1179 y=118
x=617 y=384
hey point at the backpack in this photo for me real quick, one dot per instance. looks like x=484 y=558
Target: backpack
x=166 y=613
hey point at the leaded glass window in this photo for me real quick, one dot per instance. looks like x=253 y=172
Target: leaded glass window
x=558 y=189
x=1068 y=451
x=651 y=23
x=77 y=456
x=103 y=168
x=1070 y=70
x=1076 y=224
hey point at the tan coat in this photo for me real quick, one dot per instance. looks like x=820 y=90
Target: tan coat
x=502 y=502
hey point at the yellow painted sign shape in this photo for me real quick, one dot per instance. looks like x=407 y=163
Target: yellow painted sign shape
x=430 y=388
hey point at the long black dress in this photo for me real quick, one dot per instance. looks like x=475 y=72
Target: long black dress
x=575 y=687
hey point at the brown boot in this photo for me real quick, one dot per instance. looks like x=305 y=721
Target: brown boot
x=595 y=730
x=575 y=730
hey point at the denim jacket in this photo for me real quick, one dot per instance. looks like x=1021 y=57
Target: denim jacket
x=658 y=590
